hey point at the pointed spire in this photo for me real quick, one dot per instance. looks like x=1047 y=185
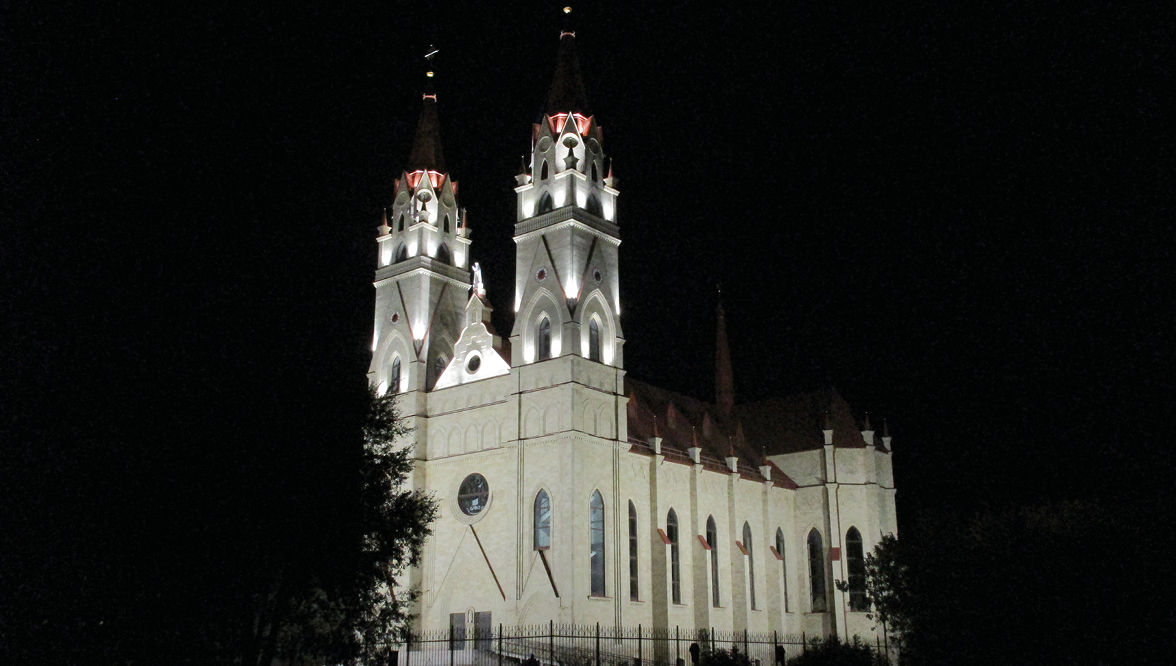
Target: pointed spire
x=426 y=145
x=866 y=426
x=724 y=380
x=885 y=429
x=567 y=88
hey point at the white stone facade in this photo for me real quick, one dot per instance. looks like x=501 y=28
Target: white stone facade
x=551 y=410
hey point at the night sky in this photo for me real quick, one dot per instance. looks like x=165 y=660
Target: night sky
x=961 y=218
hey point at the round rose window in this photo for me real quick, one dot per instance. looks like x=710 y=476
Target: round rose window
x=473 y=494
x=541 y=274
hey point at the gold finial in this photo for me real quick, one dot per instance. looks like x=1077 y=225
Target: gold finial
x=567 y=10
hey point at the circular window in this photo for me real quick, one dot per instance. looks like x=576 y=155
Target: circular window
x=544 y=144
x=473 y=494
x=424 y=197
x=597 y=276
x=473 y=364
x=395 y=317
x=541 y=275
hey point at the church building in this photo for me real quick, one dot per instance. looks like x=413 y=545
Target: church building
x=569 y=492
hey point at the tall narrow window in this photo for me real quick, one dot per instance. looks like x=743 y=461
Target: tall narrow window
x=543 y=339
x=855 y=561
x=394 y=376
x=712 y=540
x=401 y=252
x=595 y=173
x=783 y=563
x=596 y=542
x=545 y=202
x=816 y=556
x=542 y=537
x=750 y=563
x=445 y=224
x=633 y=581
x=400 y=223
x=443 y=254
x=594 y=206
x=675 y=566
x=543 y=171
x=594 y=341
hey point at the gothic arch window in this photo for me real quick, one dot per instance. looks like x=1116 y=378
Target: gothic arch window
x=816 y=556
x=439 y=368
x=542 y=537
x=595 y=173
x=675 y=559
x=596 y=543
x=633 y=581
x=400 y=223
x=594 y=205
x=443 y=254
x=750 y=563
x=594 y=340
x=394 y=376
x=445 y=224
x=401 y=251
x=545 y=202
x=543 y=172
x=543 y=339
x=855 y=561
x=712 y=540
x=783 y=563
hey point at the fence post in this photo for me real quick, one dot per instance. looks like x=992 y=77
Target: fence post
x=746 y=651
x=551 y=641
x=597 y=644
x=677 y=644
x=499 y=644
x=450 y=644
x=407 y=647
x=878 y=648
x=803 y=643
x=638 y=644
x=775 y=644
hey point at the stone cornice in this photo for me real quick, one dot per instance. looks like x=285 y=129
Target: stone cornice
x=566 y=217
x=458 y=277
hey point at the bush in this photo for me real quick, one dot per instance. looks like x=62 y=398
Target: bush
x=720 y=657
x=833 y=652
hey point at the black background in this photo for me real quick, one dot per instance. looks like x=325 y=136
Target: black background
x=960 y=217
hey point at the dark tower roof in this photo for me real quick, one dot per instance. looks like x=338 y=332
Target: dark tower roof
x=724 y=378
x=426 y=146
x=567 y=88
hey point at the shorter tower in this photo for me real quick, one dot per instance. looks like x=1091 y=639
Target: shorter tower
x=422 y=280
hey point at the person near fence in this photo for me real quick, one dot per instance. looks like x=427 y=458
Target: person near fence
x=531 y=660
x=781 y=657
x=694 y=652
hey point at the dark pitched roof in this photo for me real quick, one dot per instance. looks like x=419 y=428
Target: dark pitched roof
x=426 y=145
x=567 y=88
x=772 y=427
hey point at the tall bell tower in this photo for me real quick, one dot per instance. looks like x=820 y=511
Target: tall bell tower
x=566 y=234
x=422 y=279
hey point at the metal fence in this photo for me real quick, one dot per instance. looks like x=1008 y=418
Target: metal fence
x=594 y=645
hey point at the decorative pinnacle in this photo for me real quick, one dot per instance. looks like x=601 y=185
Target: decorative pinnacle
x=867 y=424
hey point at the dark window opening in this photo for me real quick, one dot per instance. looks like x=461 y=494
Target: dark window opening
x=443 y=254
x=596 y=543
x=750 y=563
x=594 y=206
x=400 y=223
x=394 y=376
x=855 y=561
x=594 y=341
x=445 y=224
x=816 y=555
x=401 y=253
x=783 y=563
x=543 y=339
x=545 y=203
x=633 y=582
x=543 y=171
x=542 y=521
x=712 y=540
x=675 y=560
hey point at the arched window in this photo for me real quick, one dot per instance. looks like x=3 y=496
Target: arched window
x=594 y=341
x=633 y=552
x=750 y=563
x=816 y=556
x=400 y=223
x=543 y=171
x=443 y=254
x=594 y=206
x=855 y=561
x=445 y=224
x=783 y=563
x=542 y=537
x=439 y=368
x=543 y=339
x=596 y=542
x=545 y=202
x=675 y=566
x=394 y=376
x=595 y=174
x=401 y=253
x=712 y=540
